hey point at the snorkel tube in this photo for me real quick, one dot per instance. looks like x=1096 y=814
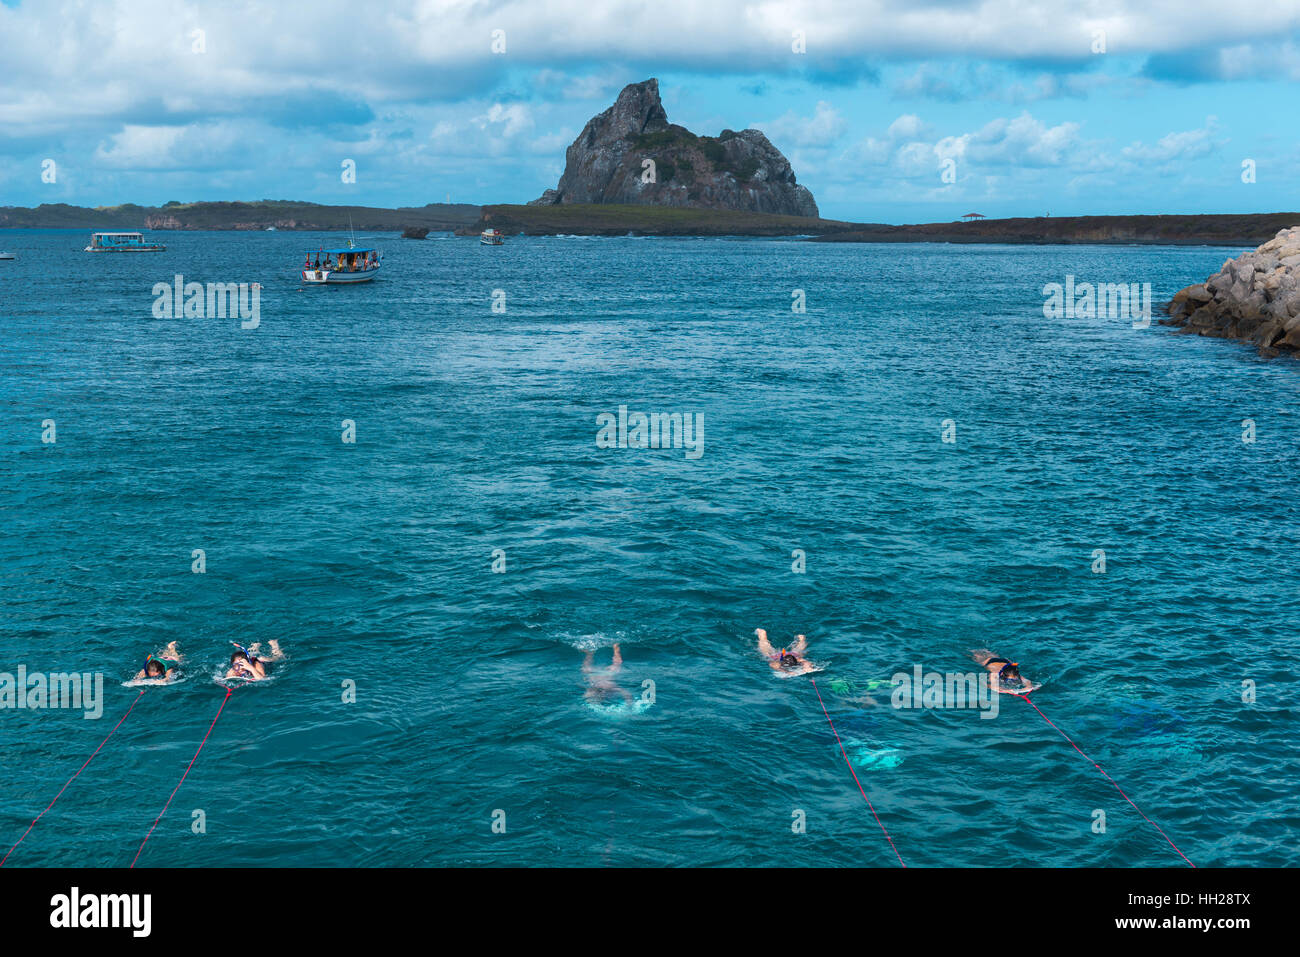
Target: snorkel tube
x=249 y=658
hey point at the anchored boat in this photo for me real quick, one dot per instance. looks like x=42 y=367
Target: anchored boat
x=122 y=243
x=492 y=237
x=351 y=264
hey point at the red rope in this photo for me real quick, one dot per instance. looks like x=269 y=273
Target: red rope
x=855 y=773
x=183 y=777
x=1108 y=778
x=74 y=777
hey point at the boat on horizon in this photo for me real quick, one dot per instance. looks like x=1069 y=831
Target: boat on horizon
x=122 y=243
x=350 y=264
x=492 y=237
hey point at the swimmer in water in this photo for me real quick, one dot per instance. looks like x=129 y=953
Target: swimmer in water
x=601 y=688
x=162 y=665
x=1004 y=674
x=788 y=662
x=848 y=690
x=246 y=664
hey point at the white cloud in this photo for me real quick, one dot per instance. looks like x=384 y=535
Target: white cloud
x=1187 y=144
x=552 y=144
x=909 y=158
x=1024 y=140
x=823 y=128
x=963 y=80
x=141 y=147
x=916 y=159
x=507 y=121
x=906 y=127
x=65 y=60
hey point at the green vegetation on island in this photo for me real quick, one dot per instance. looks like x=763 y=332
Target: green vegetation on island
x=264 y=214
x=1230 y=229
x=618 y=219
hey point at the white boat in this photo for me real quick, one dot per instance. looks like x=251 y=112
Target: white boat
x=7 y=256
x=350 y=264
x=492 y=237
x=122 y=243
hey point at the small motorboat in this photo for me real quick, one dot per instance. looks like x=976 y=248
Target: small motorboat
x=4 y=255
x=492 y=237
x=336 y=266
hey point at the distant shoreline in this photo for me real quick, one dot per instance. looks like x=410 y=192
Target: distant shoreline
x=1244 y=229
x=610 y=220
x=251 y=217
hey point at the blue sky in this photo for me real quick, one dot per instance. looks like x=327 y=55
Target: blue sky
x=1068 y=108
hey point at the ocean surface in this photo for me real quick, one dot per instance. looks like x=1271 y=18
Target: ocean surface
x=476 y=442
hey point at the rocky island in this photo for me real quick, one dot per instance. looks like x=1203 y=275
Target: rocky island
x=1253 y=298
x=632 y=155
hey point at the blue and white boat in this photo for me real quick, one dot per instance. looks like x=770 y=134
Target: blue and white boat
x=353 y=263
x=122 y=243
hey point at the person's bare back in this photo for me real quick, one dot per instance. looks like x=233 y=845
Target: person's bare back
x=788 y=662
x=601 y=686
x=1004 y=674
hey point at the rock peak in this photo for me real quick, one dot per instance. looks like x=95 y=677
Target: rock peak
x=630 y=153
x=640 y=104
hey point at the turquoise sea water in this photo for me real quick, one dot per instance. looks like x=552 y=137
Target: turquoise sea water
x=476 y=430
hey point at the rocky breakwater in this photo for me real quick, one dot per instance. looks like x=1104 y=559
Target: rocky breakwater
x=1253 y=298
x=631 y=154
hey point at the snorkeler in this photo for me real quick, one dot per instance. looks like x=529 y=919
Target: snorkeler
x=788 y=662
x=1004 y=671
x=162 y=665
x=246 y=664
x=600 y=681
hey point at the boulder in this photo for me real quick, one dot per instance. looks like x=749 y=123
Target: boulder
x=549 y=198
x=1255 y=297
x=1267 y=333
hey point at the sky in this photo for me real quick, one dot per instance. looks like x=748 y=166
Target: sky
x=917 y=111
